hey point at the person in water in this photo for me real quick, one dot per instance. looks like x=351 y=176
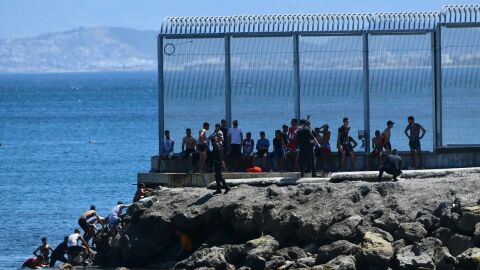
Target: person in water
x=34 y=263
x=142 y=191
x=58 y=254
x=44 y=250
x=88 y=227
x=73 y=248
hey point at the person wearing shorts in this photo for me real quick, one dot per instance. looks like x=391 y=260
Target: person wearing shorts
x=73 y=248
x=386 y=134
x=188 y=149
x=89 y=229
x=346 y=144
x=415 y=133
x=248 y=147
x=262 y=149
x=377 y=148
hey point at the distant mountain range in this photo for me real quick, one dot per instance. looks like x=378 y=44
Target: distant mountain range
x=82 y=49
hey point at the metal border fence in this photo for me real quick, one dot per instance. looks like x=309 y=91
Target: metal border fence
x=296 y=26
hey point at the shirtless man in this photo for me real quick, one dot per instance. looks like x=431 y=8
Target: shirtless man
x=415 y=133
x=386 y=134
x=44 y=250
x=346 y=144
x=141 y=192
x=188 y=148
x=377 y=145
x=202 y=146
x=89 y=228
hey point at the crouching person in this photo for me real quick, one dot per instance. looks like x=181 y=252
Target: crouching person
x=391 y=165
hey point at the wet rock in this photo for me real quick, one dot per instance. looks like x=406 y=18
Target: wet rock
x=429 y=221
x=259 y=251
x=307 y=261
x=340 y=247
x=274 y=262
x=375 y=249
x=459 y=243
x=345 y=229
x=411 y=258
x=208 y=257
x=412 y=232
x=291 y=253
x=470 y=217
x=469 y=259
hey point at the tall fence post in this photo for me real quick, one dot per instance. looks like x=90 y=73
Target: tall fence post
x=161 y=95
x=437 y=55
x=296 y=74
x=366 y=93
x=228 y=81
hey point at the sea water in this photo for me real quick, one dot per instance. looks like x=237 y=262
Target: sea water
x=76 y=139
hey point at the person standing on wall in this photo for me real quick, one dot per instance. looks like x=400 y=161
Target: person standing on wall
x=346 y=144
x=235 y=139
x=387 y=134
x=202 y=147
x=306 y=141
x=217 y=157
x=415 y=133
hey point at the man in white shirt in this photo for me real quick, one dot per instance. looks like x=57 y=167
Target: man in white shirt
x=73 y=248
x=235 y=139
x=168 y=146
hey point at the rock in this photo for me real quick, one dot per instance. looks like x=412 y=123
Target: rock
x=412 y=232
x=411 y=258
x=234 y=254
x=287 y=265
x=470 y=217
x=274 y=262
x=429 y=221
x=476 y=234
x=469 y=259
x=121 y=268
x=443 y=234
x=207 y=257
x=375 y=249
x=66 y=266
x=340 y=247
x=458 y=243
x=341 y=262
x=388 y=221
x=345 y=229
x=291 y=253
x=307 y=261
x=311 y=248
x=397 y=245
x=259 y=251
x=244 y=268
x=385 y=235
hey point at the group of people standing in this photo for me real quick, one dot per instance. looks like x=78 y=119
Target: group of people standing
x=295 y=147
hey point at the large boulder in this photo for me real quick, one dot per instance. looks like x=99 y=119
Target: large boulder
x=274 y=262
x=411 y=258
x=469 y=259
x=213 y=257
x=388 y=221
x=291 y=253
x=345 y=229
x=329 y=252
x=476 y=234
x=443 y=234
x=375 y=250
x=429 y=221
x=412 y=232
x=259 y=251
x=341 y=262
x=470 y=217
x=458 y=243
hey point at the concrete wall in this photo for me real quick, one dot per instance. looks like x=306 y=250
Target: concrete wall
x=443 y=158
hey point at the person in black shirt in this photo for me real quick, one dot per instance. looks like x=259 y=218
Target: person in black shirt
x=217 y=155
x=305 y=141
x=285 y=134
x=392 y=165
x=58 y=253
x=277 y=157
x=346 y=144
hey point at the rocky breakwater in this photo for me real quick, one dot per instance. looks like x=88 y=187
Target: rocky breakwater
x=410 y=224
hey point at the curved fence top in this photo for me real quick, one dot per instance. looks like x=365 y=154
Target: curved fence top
x=320 y=22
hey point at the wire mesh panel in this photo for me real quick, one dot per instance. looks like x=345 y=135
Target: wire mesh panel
x=331 y=81
x=194 y=84
x=401 y=84
x=460 y=85
x=262 y=83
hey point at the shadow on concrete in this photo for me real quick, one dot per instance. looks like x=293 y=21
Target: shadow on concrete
x=202 y=200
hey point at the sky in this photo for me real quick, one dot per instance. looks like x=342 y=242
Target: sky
x=22 y=18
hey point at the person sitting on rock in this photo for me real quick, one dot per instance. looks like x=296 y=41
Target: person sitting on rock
x=73 y=248
x=44 y=250
x=391 y=165
x=58 y=254
x=114 y=219
x=34 y=263
x=142 y=191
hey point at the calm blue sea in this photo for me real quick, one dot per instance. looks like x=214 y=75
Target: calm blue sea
x=72 y=140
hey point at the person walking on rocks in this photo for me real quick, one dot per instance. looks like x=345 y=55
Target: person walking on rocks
x=415 y=133
x=306 y=141
x=217 y=158
x=391 y=165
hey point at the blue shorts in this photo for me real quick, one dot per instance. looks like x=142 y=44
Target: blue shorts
x=113 y=220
